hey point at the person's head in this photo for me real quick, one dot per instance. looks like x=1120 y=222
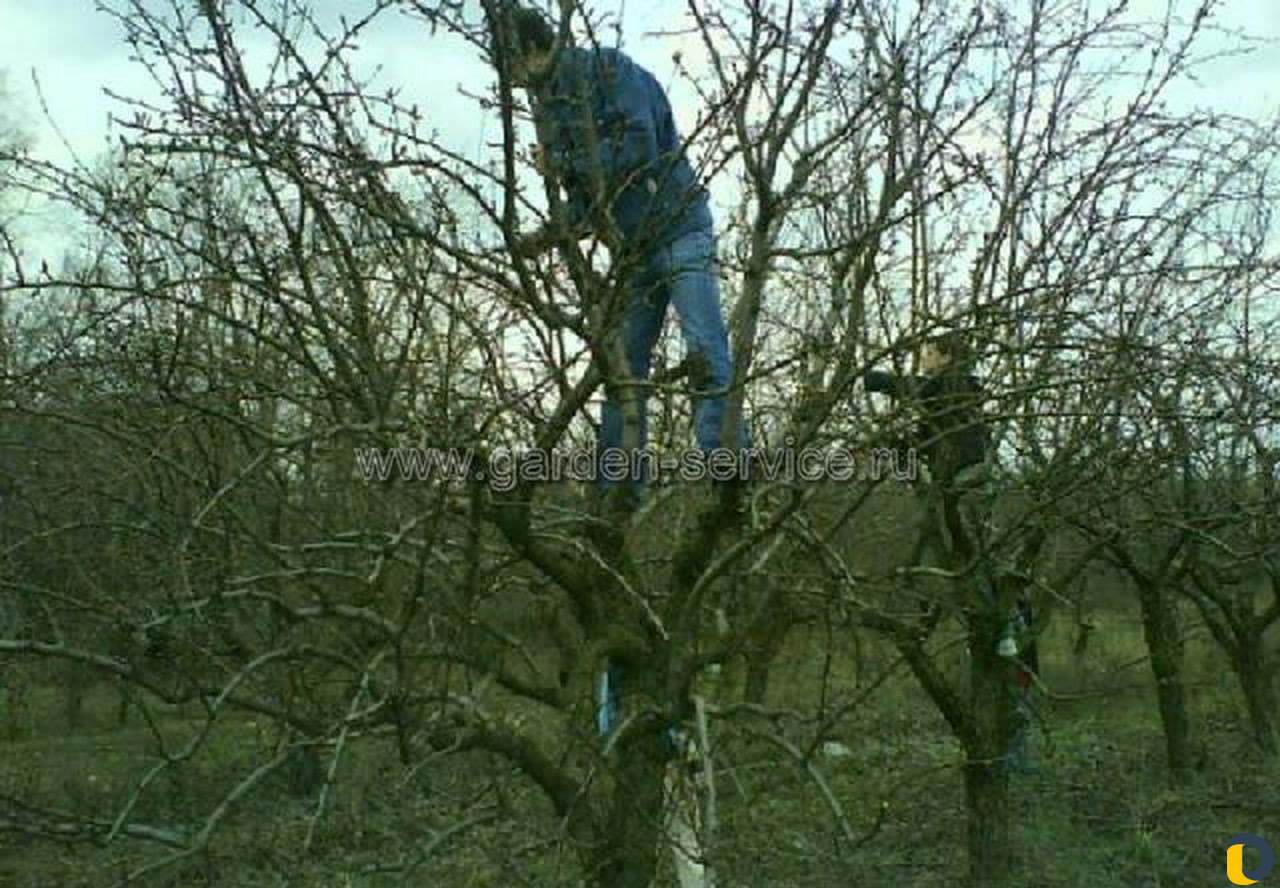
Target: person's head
x=528 y=42
x=944 y=351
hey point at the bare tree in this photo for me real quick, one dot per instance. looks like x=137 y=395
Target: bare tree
x=263 y=404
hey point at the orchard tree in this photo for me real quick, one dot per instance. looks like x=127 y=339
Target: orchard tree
x=302 y=297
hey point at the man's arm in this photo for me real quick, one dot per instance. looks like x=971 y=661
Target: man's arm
x=626 y=122
x=892 y=384
x=607 y=131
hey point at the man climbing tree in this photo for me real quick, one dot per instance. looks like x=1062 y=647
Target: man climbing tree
x=953 y=441
x=951 y=435
x=952 y=431
x=607 y=135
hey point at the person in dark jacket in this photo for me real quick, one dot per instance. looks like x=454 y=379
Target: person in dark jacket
x=952 y=439
x=952 y=432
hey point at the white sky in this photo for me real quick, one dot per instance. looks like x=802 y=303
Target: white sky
x=76 y=52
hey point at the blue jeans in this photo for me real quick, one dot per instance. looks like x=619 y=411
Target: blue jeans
x=609 y=700
x=609 y=708
x=684 y=273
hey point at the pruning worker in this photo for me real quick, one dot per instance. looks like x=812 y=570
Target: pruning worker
x=953 y=440
x=951 y=435
x=952 y=431
x=606 y=131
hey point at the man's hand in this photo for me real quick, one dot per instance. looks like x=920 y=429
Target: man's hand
x=534 y=244
x=541 y=162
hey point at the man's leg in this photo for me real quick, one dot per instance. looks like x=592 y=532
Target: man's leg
x=930 y=549
x=976 y=485
x=609 y=700
x=639 y=333
x=695 y=292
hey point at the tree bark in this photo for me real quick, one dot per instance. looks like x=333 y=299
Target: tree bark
x=765 y=642
x=1259 y=691
x=629 y=857
x=1164 y=643
x=986 y=795
x=986 y=780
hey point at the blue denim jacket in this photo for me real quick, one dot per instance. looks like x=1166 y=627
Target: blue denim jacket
x=608 y=127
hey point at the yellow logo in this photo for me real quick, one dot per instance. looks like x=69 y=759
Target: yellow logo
x=1235 y=859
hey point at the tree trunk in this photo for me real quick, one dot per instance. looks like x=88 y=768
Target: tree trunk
x=757 y=682
x=986 y=780
x=1164 y=643
x=986 y=795
x=761 y=652
x=75 y=679
x=1259 y=691
x=630 y=853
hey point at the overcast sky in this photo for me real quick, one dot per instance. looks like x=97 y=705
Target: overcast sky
x=76 y=53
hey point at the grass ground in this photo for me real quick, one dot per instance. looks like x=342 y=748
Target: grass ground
x=1098 y=811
